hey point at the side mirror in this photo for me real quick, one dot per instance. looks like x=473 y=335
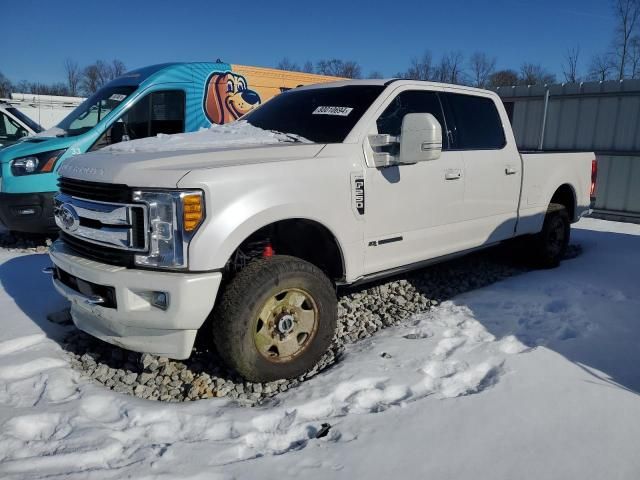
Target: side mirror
x=420 y=138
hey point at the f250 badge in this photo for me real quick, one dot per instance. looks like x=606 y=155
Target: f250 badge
x=357 y=193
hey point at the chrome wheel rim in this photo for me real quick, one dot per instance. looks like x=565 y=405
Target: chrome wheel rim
x=286 y=325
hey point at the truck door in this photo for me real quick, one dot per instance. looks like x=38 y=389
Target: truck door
x=409 y=209
x=492 y=167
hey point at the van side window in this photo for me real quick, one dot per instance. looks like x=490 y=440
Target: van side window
x=474 y=122
x=158 y=112
x=410 y=101
x=167 y=113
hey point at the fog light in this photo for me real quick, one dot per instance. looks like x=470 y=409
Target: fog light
x=160 y=300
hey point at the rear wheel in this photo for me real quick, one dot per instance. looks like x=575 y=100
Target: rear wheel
x=550 y=245
x=275 y=319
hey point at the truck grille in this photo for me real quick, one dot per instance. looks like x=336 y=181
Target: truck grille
x=100 y=222
x=102 y=192
x=100 y=254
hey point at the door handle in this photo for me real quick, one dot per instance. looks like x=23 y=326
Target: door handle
x=453 y=175
x=510 y=171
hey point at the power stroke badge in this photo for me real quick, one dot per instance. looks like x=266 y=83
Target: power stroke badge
x=357 y=193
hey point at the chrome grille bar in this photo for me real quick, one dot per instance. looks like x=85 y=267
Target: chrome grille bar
x=108 y=224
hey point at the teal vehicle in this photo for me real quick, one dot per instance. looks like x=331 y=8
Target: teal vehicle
x=167 y=98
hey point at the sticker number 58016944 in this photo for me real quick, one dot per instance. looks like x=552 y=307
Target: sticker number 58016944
x=339 y=111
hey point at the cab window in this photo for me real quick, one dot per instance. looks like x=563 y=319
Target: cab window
x=410 y=101
x=158 y=112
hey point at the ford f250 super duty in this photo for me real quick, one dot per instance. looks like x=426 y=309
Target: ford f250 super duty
x=376 y=178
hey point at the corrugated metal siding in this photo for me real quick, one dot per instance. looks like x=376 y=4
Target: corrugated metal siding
x=599 y=116
x=618 y=188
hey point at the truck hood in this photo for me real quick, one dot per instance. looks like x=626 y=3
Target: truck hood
x=165 y=169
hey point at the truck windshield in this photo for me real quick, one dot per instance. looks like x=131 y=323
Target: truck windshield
x=24 y=119
x=93 y=109
x=322 y=115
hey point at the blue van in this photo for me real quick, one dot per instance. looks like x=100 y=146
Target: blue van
x=167 y=98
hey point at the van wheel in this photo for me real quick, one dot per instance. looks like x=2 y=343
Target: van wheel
x=550 y=245
x=275 y=319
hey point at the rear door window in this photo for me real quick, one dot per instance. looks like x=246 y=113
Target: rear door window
x=474 y=122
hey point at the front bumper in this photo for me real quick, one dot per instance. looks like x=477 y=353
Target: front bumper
x=134 y=323
x=28 y=212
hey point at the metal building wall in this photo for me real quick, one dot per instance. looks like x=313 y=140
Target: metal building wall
x=600 y=116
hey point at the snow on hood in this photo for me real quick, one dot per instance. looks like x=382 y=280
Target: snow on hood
x=233 y=134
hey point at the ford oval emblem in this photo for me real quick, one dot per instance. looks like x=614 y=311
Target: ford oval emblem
x=68 y=217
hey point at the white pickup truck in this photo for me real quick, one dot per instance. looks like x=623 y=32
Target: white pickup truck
x=373 y=178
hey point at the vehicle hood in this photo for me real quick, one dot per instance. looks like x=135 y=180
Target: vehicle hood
x=165 y=169
x=32 y=146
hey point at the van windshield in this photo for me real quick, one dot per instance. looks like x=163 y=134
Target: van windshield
x=321 y=115
x=93 y=109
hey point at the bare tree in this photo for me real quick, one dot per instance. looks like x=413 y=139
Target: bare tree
x=601 y=68
x=420 y=68
x=5 y=87
x=339 y=68
x=72 y=70
x=627 y=13
x=104 y=71
x=481 y=67
x=117 y=68
x=38 y=88
x=91 y=79
x=286 y=64
x=534 y=74
x=450 y=69
x=97 y=74
x=22 y=86
x=307 y=67
x=634 y=57
x=503 y=78
x=570 y=65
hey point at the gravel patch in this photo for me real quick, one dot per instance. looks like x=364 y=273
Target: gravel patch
x=362 y=312
x=24 y=243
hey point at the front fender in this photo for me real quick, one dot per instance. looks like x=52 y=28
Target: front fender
x=230 y=222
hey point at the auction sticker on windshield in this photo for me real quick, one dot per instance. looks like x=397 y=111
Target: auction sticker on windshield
x=339 y=111
x=118 y=97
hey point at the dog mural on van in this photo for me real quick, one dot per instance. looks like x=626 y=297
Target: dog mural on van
x=227 y=97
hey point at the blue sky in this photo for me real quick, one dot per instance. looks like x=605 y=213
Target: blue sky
x=384 y=36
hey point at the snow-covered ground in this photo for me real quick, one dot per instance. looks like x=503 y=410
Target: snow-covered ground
x=533 y=377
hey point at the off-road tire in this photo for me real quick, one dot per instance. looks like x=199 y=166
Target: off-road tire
x=235 y=317
x=550 y=245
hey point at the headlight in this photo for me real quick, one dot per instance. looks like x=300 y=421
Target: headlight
x=37 y=163
x=174 y=218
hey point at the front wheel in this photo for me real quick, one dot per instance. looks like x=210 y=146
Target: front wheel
x=275 y=319
x=550 y=245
